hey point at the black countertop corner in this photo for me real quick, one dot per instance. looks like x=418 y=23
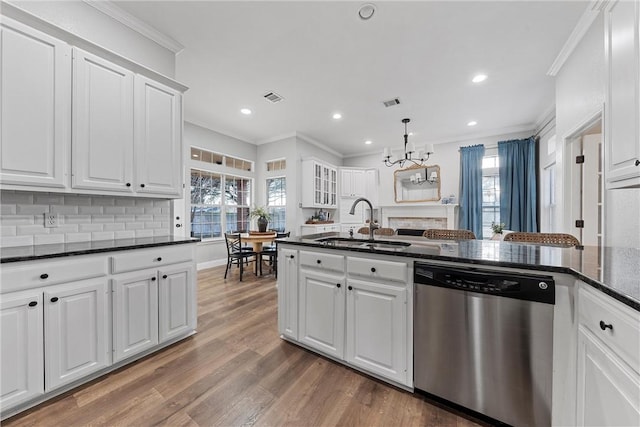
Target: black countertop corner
x=617 y=276
x=58 y=250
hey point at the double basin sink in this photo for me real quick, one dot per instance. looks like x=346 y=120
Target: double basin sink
x=383 y=245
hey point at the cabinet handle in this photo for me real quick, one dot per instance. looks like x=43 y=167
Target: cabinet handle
x=142 y=185
x=350 y=288
x=178 y=225
x=159 y=258
x=54 y=299
x=604 y=326
x=318 y=261
x=164 y=276
x=637 y=162
x=338 y=285
x=153 y=279
x=128 y=184
x=44 y=276
x=373 y=269
x=291 y=256
x=33 y=303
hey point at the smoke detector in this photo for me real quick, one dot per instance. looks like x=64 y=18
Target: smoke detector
x=272 y=97
x=366 y=11
x=391 y=102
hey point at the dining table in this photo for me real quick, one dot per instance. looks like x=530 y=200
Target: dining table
x=257 y=239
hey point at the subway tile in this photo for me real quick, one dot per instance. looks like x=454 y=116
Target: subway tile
x=144 y=203
x=103 y=201
x=77 y=237
x=97 y=219
x=65 y=228
x=89 y=227
x=90 y=210
x=118 y=226
x=161 y=218
x=143 y=218
x=128 y=234
x=114 y=210
x=19 y=219
x=31 y=209
x=144 y=233
x=16 y=197
x=23 y=230
x=48 y=239
x=152 y=225
x=7 y=209
x=152 y=211
x=48 y=199
x=160 y=232
x=124 y=218
x=121 y=201
x=102 y=235
x=134 y=226
x=134 y=210
x=8 y=230
x=77 y=200
x=11 y=241
x=64 y=209
x=77 y=219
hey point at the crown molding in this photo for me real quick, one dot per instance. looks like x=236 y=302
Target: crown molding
x=318 y=144
x=136 y=24
x=276 y=138
x=584 y=23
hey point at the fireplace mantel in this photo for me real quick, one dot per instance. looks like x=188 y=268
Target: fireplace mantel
x=417 y=210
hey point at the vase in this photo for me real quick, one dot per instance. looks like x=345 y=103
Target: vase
x=497 y=236
x=262 y=224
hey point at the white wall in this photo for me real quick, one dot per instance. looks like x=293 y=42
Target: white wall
x=85 y=21
x=579 y=95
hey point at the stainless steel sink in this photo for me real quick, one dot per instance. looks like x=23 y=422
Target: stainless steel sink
x=386 y=245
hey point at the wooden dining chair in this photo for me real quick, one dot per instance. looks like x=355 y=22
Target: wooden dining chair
x=238 y=255
x=542 y=238
x=363 y=230
x=384 y=231
x=271 y=253
x=446 y=234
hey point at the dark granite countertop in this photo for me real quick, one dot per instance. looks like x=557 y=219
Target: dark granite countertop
x=619 y=275
x=35 y=252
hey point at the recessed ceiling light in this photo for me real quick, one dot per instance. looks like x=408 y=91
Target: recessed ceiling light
x=479 y=78
x=245 y=111
x=366 y=11
x=472 y=123
x=337 y=116
x=368 y=142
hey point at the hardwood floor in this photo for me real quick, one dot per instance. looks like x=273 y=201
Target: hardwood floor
x=235 y=372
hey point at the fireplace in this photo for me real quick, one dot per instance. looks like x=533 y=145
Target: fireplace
x=420 y=216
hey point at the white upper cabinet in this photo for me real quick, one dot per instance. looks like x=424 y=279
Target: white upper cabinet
x=158 y=138
x=35 y=87
x=102 y=155
x=320 y=185
x=352 y=183
x=622 y=107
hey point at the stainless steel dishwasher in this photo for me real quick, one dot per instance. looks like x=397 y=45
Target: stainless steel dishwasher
x=483 y=339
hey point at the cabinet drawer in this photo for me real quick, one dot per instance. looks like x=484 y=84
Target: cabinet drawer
x=321 y=261
x=32 y=274
x=377 y=269
x=624 y=336
x=139 y=259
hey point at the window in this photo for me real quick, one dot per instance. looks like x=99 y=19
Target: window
x=490 y=194
x=210 y=211
x=276 y=165
x=220 y=159
x=277 y=202
x=549 y=199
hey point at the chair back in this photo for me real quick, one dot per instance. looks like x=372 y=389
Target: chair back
x=283 y=235
x=445 y=234
x=234 y=243
x=363 y=230
x=542 y=238
x=384 y=231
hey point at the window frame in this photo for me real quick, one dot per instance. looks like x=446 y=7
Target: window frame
x=278 y=206
x=492 y=172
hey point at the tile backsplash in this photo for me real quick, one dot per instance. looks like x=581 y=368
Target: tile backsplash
x=80 y=217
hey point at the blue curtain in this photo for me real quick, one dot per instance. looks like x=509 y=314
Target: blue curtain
x=518 y=188
x=471 y=188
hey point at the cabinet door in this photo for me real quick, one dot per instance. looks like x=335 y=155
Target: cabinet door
x=377 y=328
x=317 y=184
x=288 y=293
x=332 y=200
x=135 y=313
x=177 y=302
x=35 y=117
x=622 y=108
x=158 y=138
x=21 y=352
x=371 y=186
x=345 y=183
x=102 y=140
x=77 y=340
x=322 y=312
x=608 y=390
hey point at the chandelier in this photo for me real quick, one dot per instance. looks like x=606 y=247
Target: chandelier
x=410 y=154
x=417 y=179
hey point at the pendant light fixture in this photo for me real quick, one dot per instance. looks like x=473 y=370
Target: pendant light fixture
x=410 y=154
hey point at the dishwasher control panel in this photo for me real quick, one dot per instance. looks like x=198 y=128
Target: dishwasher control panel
x=511 y=285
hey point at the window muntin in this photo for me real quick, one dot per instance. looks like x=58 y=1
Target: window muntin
x=220 y=159
x=277 y=202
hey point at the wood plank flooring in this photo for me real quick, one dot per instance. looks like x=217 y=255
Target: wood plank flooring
x=237 y=372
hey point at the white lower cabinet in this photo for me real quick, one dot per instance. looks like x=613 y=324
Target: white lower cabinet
x=135 y=313
x=288 y=293
x=176 y=302
x=377 y=328
x=77 y=339
x=322 y=312
x=21 y=353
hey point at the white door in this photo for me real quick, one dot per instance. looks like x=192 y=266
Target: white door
x=35 y=117
x=288 y=293
x=321 y=308
x=586 y=197
x=377 y=328
x=102 y=140
x=176 y=299
x=21 y=352
x=608 y=390
x=77 y=340
x=135 y=313
x=158 y=138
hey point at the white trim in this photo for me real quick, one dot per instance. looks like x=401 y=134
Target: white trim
x=211 y=264
x=546 y=117
x=276 y=138
x=584 y=23
x=137 y=25
x=318 y=144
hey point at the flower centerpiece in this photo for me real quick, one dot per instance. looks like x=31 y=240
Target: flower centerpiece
x=262 y=215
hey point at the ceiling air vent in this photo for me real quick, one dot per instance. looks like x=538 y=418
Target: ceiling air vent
x=273 y=97
x=391 y=102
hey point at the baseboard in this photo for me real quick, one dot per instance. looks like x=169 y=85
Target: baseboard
x=211 y=264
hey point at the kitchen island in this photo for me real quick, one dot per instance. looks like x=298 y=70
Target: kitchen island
x=353 y=301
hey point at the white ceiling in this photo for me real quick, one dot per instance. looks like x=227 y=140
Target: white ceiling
x=322 y=58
